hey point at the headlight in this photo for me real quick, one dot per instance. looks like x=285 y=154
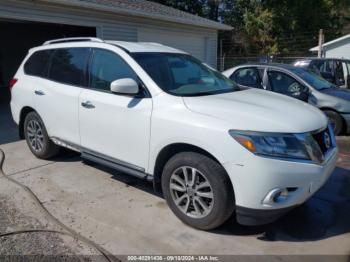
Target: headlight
x=271 y=144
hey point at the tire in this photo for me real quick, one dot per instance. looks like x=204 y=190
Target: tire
x=335 y=120
x=34 y=129
x=220 y=206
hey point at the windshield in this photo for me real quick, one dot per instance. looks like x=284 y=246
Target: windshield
x=183 y=75
x=312 y=79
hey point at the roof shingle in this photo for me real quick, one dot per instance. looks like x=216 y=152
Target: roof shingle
x=143 y=8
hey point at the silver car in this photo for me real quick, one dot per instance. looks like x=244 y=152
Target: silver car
x=299 y=83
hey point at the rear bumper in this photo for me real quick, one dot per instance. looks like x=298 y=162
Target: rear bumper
x=346 y=118
x=255 y=217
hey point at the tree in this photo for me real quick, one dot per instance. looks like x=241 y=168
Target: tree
x=271 y=26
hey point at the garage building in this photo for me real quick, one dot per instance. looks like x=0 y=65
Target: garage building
x=337 y=48
x=24 y=24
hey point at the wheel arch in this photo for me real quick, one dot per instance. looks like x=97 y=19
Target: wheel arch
x=169 y=151
x=22 y=116
x=325 y=108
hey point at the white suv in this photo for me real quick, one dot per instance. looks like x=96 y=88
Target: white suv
x=159 y=114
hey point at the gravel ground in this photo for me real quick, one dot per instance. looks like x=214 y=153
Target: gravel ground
x=18 y=212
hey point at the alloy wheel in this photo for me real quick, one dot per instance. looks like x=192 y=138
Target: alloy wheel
x=35 y=135
x=191 y=192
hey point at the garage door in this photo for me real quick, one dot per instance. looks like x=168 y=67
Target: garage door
x=193 y=44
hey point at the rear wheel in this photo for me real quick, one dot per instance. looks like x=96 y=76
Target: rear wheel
x=198 y=190
x=37 y=138
x=335 y=120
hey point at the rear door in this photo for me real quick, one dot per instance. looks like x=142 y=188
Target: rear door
x=114 y=127
x=56 y=96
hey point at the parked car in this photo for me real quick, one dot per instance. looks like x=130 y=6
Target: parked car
x=334 y=70
x=159 y=114
x=299 y=83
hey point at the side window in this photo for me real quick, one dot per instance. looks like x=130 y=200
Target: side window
x=68 y=66
x=247 y=77
x=284 y=84
x=339 y=73
x=36 y=65
x=107 y=67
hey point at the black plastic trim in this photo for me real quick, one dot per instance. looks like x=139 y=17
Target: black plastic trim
x=255 y=217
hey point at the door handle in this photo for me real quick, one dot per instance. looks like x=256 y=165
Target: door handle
x=87 y=104
x=39 y=92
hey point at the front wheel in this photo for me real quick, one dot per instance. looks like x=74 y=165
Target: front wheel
x=198 y=190
x=335 y=121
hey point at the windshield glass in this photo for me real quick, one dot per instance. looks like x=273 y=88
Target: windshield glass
x=183 y=75
x=312 y=79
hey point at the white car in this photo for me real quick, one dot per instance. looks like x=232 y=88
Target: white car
x=159 y=114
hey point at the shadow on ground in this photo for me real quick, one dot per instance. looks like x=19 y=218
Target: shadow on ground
x=325 y=215
x=8 y=128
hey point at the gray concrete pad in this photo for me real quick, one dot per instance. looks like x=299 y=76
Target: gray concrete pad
x=123 y=215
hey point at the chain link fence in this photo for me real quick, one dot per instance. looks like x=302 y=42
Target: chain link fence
x=225 y=63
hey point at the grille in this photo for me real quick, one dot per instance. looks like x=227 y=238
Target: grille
x=321 y=139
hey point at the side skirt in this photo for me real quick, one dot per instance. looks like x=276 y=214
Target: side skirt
x=106 y=161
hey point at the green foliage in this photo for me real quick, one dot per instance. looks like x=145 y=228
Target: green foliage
x=272 y=26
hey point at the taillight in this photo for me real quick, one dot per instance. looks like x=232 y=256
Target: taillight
x=13 y=81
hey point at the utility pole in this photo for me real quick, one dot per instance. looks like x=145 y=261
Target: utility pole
x=221 y=56
x=320 y=43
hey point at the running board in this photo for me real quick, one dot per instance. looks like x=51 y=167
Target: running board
x=116 y=166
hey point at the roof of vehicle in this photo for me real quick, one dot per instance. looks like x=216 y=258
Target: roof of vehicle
x=132 y=47
x=280 y=65
x=320 y=58
x=138 y=47
x=144 y=9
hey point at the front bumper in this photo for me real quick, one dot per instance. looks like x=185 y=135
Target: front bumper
x=254 y=179
x=346 y=118
x=256 y=217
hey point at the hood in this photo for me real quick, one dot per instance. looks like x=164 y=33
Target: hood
x=259 y=110
x=337 y=92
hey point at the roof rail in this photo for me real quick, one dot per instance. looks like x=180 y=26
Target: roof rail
x=151 y=43
x=73 y=39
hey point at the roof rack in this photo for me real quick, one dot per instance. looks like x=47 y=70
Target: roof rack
x=73 y=39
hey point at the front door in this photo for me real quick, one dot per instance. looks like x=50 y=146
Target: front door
x=285 y=84
x=114 y=126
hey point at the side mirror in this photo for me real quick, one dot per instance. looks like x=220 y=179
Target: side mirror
x=127 y=86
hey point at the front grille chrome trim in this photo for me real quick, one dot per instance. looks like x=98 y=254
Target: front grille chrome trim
x=312 y=146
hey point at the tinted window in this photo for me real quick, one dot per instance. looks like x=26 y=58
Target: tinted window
x=36 y=65
x=107 y=67
x=183 y=75
x=323 y=66
x=284 y=84
x=312 y=79
x=339 y=73
x=247 y=77
x=68 y=65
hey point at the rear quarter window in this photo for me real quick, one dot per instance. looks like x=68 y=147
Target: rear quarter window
x=68 y=66
x=37 y=63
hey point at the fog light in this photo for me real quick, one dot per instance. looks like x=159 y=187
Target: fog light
x=281 y=195
x=278 y=195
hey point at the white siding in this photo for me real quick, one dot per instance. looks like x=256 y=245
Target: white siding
x=340 y=49
x=194 y=44
x=199 y=41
